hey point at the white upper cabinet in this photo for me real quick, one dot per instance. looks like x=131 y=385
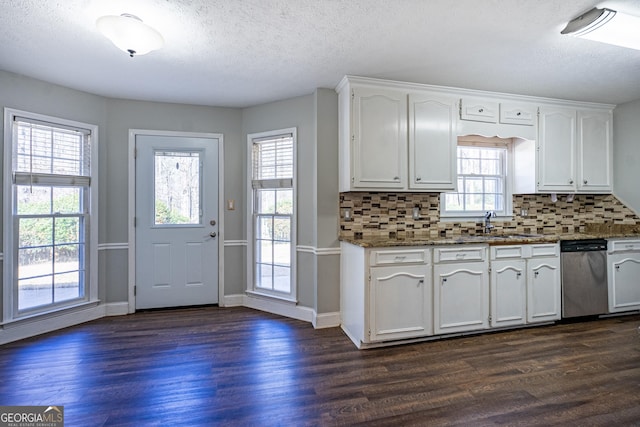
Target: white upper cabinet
x=595 y=160
x=556 y=152
x=575 y=152
x=479 y=110
x=432 y=142
x=379 y=134
x=397 y=136
x=514 y=114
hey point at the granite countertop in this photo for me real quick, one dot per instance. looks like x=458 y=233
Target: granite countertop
x=490 y=239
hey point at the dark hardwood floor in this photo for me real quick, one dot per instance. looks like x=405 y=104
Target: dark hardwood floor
x=210 y=366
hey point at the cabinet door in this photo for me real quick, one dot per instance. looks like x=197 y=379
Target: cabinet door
x=594 y=152
x=543 y=289
x=432 y=142
x=379 y=126
x=624 y=288
x=461 y=297
x=400 y=303
x=556 y=153
x=508 y=292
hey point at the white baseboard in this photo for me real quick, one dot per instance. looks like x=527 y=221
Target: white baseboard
x=280 y=308
x=26 y=329
x=116 y=308
x=326 y=320
x=233 y=300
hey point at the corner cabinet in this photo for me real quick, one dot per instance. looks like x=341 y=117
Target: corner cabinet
x=574 y=150
x=386 y=294
x=395 y=138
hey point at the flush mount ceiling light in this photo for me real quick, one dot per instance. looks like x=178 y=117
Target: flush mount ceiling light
x=607 y=26
x=130 y=34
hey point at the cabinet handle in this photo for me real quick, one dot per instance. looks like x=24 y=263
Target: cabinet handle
x=481 y=110
x=418 y=178
x=585 y=181
x=396 y=178
x=420 y=282
x=570 y=181
x=518 y=113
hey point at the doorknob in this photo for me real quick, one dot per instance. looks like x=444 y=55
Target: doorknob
x=213 y=234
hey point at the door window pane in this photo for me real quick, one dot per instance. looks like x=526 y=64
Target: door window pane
x=178 y=182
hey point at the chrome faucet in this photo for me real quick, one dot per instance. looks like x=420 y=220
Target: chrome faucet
x=487 y=221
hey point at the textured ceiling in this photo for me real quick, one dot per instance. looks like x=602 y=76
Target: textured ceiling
x=239 y=53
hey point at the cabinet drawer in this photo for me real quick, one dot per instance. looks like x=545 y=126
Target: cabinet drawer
x=623 y=245
x=504 y=252
x=409 y=256
x=517 y=115
x=479 y=111
x=544 y=250
x=477 y=253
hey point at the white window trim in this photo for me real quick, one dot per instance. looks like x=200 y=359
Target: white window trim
x=8 y=314
x=507 y=215
x=250 y=288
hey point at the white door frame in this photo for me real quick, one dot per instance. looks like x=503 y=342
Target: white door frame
x=132 y=206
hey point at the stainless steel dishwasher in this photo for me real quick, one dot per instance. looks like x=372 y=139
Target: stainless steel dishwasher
x=584 y=277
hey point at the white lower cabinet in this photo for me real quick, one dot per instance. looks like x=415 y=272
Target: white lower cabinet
x=623 y=270
x=508 y=280
x=543 y=290
x=393 y=294
x=525 y=284
x=400 y=302
x=386 y=294
x=461 y=289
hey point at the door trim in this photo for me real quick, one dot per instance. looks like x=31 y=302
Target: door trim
x=132 y=206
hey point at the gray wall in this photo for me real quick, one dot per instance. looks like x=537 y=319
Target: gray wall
x=626 y=153
x=314 y=116
x=35 y=96
x=295 y=112
x=124 y=115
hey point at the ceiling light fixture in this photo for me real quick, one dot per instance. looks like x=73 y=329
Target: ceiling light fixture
x=130 y=34
x=606 y=26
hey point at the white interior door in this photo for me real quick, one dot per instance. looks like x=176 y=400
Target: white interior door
x=176 y=221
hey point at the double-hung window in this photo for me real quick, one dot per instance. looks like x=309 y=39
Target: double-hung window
x=273 y=212
x=49 y=209
x=482 y=180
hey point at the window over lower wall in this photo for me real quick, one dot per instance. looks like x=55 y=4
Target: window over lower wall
x=272 y=209
x=483 y=168
x=50 y=206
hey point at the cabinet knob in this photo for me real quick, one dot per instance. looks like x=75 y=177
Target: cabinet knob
x=536 y=273
x=617 y=267
x=418 y=178
x=396 y=178
x=421 y=281
x=518 y=113
x=481 y=110
x=570 y=181
x=444 y=279
x=518 y=274
x=585 y=181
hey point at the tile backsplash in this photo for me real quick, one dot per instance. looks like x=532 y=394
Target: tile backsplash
x=389 y=215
